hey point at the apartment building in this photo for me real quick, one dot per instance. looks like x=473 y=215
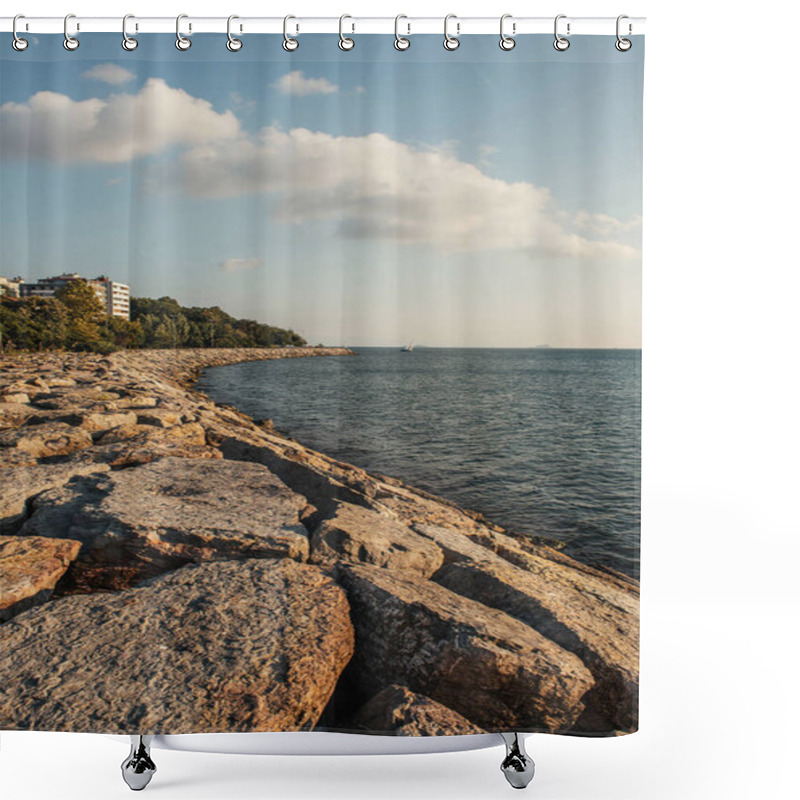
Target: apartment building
x=10 y=286
x=114 y=297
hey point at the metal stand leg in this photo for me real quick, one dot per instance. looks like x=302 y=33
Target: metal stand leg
x=138 y=768
x=517 y=766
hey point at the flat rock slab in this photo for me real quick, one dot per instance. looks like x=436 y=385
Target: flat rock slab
x=139 y=522
x=22 y=483
x=399 y=711
x=489 y=667
x=191 y=434
x=30 y=567
x=254 y=645
x=69 y=399
x=357 y=535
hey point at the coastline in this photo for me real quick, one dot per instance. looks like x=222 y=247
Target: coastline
x=92 y=443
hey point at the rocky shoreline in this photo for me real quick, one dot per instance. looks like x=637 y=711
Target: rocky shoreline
x=169 y=565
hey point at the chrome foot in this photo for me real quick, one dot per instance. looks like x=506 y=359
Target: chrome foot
x=517 y=766
x=138 y=768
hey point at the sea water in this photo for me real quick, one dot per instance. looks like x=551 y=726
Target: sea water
x=544 y=441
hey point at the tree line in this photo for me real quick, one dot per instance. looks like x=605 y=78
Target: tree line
x=75 y=320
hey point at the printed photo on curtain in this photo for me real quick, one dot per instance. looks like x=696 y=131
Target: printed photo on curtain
x=320 y=384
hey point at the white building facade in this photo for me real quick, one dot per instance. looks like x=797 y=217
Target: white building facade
x=10 y=286
x=115 y=298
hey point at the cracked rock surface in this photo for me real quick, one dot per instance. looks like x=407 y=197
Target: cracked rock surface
x=174 y=566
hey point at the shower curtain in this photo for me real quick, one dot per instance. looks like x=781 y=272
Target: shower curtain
x=320 y=383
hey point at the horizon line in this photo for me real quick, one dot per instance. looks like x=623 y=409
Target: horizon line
x=482 y=347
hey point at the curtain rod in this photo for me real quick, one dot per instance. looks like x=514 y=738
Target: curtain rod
x=300 y=24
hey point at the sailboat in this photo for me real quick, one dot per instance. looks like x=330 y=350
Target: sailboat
x=409 y=348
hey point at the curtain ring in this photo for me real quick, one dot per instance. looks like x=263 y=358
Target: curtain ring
x=623 y=45
x=181 y=41
x=401 y=42
x=19 y=44
x=345 y=43
x=451 y=42
x=289 y=44
x=233 y=44
x=507 y=42
x=128 y=42
x=70 y=42
x=561 y=44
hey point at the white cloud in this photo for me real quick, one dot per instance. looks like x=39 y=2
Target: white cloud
x=485 y=153
x=296 y=83
x=241 y=103
x=56 y=128
x=109 y=73
x=605 y=225
x=240 y=264
x=375 y=188
x=372 y=186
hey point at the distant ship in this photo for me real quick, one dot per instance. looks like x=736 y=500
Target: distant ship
x=409 y=348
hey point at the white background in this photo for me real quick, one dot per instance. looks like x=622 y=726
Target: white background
x=719 y=706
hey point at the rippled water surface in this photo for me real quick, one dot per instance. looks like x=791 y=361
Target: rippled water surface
x=542 y=441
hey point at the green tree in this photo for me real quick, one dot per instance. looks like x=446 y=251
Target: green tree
x=86 y=328
x=34 y=323
x=165 y=323
x=76 y=320
x=48 y=321
x=124 y=333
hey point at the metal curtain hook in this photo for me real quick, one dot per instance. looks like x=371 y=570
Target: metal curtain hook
x=18 y=43
x=128 y=42
x=623 y=45
x=181 y=41
x=401 y=42
x=70 y=42
x=506 y=41
x=561 y=44
x=289 y=44
x=233 y=44
x=451 y=42
x=345 y=43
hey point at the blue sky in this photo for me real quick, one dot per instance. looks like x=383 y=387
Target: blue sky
x=474 y=198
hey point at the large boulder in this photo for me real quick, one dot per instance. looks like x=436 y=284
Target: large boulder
x=131 y=445
x=100 y=421
x=401 y=712
x=18 y=398
x=53 y=382
x=489 y=667
x=139 y=522
x=254 y=645
x=137 y=400
x=160 y=417
x=12 y=415
x=46 y=440
x=590 y=614
x=30 y=567
x=358 y=535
